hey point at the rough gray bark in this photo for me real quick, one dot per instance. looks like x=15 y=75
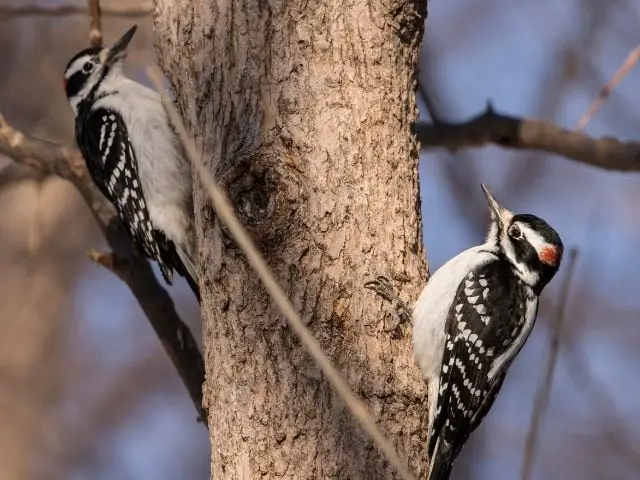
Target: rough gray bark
x=304 y=112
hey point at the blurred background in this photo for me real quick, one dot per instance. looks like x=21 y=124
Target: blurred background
x=86 y=389
x=87 y=392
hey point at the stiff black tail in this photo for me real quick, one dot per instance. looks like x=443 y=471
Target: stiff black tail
x=188 y=271
x=440 y=462
x=195 y=288
x=175 y=258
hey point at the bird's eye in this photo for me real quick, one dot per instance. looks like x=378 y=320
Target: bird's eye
x=515 y=233
x=87 y=67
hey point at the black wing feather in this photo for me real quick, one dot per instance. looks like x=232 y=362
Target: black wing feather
x=104 y=142
x=486 y=316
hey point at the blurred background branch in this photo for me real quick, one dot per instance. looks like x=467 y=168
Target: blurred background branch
x=541 y=401
x=133 y=269
x=95 y=27
x=62 y=10
x=528 y=134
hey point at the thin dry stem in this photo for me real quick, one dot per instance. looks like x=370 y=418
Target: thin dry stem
x=128 y=11
x=95 y=28
x=224 y=209
x=541 y=401
x=622 y=72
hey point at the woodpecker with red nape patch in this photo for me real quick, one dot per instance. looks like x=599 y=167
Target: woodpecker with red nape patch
x=471 y=321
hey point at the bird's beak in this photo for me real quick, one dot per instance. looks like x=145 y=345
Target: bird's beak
x=109 y=56
x=498 y=212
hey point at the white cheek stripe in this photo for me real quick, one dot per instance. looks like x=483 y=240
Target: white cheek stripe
x=76 y=66
x=534 y=238
x=528 y=276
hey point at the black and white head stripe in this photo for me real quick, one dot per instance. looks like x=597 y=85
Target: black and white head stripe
x=543 y=239
x=80 y=69
x=86 y=70
x=533 y=248
x=531 y=245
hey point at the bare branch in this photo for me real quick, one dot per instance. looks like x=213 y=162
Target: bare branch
x=140 y=10
x=225 y=211
x=622 y=72
x=542 y=398
x=490 y=127
x=95 y=29
x=134 y=270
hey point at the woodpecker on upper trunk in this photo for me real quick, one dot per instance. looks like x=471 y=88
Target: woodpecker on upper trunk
x=134 y=157
x=472 y=319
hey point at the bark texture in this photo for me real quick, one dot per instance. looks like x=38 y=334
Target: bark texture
x=304 y=111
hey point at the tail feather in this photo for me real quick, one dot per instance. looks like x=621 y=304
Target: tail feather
x=172 y=257
x=441 y=462
x=189 y=272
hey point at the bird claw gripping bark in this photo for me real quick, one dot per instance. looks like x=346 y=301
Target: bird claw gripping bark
x=400 y=311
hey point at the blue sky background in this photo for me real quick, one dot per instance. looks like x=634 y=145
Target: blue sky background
x=516 y=54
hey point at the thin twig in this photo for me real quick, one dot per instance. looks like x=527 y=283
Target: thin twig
x=48 y=158
x=491 y=127
x=95 y=28
x=224 y=209
x=541 y=401
x=622 y=72
x=140 y=10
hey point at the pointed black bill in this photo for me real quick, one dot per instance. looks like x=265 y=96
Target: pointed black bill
x=120 y=47
x=498 y=212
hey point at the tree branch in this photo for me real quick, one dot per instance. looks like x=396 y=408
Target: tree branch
x=95 y=28
x=490 y=127
x=49 y=158
x=140 y=10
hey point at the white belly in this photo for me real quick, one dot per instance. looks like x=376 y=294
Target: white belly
x=431 y=309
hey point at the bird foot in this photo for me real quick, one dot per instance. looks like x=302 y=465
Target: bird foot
x=400 y=311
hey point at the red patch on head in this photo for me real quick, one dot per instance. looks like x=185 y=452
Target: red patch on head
x=549 y=255
x=65 y=80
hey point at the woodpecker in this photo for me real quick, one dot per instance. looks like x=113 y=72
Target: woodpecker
x=471 y=321
x=134 y=157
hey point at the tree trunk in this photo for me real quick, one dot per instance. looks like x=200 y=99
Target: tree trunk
x=304 y=112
